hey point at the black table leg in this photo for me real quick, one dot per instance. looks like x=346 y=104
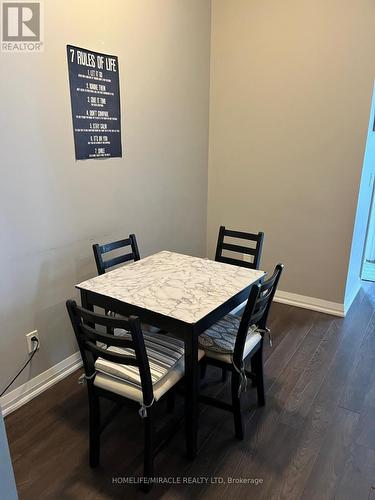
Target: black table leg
x=191 y=393
x=85 y=302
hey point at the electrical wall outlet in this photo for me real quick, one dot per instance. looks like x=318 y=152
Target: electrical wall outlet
x=31 y=343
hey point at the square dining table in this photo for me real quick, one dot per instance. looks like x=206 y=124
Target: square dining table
x=178 y=293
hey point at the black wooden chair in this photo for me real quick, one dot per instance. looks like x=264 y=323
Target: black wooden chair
x=121 y=372
x=106 y=264
x=254 y=252
x=231 y=340
x=101 y=250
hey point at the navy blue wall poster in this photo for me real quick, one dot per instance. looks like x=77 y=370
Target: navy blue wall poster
x=95 y=98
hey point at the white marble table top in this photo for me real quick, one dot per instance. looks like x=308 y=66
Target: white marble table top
x=175 y=285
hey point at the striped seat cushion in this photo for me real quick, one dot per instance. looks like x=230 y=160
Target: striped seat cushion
x=163 y=353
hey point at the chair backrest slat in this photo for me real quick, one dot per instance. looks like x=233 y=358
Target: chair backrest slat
x=240 y=234
x=115 y=357
x=84 y=325
x=100 y=250
x=109 y=247
x=107 y=338
x=256 y=310
x=118 y=260
x=255 y=252
x=101 y=319
x=238 y=248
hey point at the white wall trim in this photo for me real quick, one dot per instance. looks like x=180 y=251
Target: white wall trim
x=312 y=303
x=296 y=300
x=32 y=388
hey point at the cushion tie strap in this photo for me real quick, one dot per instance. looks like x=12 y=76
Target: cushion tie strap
x=82 y=379
x=143 y=409
x=243 y=378
x=263 y=331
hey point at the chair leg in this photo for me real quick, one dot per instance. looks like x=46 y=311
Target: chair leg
x=236 y=403
x=203 y=365
x=94 y=410
x=171 y=398
x=148 y=467
x=252 y=364
x=257 y=364
x=224 y=375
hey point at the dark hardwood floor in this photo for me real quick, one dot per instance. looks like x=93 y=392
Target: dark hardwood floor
x=314 y=439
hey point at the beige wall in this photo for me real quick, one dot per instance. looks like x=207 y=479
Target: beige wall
x=290 y=97
x=53 y=208
x=291 y=84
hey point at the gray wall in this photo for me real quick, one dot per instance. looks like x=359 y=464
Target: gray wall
x=291 y=85
x=52 y=208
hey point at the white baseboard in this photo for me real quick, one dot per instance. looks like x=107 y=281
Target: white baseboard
x=296 y=300
x=42 y=382
x=312 y=303
x=32 y=388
